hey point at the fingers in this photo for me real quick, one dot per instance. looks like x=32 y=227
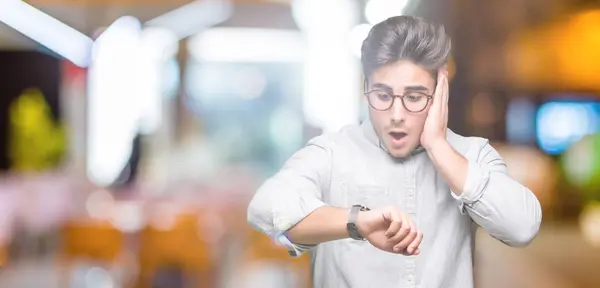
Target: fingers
x=408 y=239
x=440 y=82
x=395 y=220
x=413 y=247
x=446 y=93
x=402 y=232
x=440 y=91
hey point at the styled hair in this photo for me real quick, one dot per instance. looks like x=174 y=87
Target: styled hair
x=405 y=38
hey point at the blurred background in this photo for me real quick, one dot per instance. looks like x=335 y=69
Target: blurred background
x=133 y=133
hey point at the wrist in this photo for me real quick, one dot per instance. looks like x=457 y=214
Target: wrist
x=361 y=223
x=436 y=145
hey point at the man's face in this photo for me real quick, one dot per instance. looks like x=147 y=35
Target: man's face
x=397 y=128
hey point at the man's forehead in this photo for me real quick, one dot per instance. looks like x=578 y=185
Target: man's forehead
x=401 y=75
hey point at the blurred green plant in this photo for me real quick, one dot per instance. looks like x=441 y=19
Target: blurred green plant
x=581 y=164
x=36 y=141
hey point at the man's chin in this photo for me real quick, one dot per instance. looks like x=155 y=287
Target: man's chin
x=399 y=152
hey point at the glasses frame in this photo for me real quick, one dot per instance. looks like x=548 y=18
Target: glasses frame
x=429 y=97
x=367 y=92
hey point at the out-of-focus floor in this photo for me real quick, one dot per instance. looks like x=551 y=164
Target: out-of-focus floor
x=558 y=258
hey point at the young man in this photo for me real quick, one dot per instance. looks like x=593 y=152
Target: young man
x=391 y=203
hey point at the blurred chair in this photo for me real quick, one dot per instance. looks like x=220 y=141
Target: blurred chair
x=260 y=249
x=178 y=247
x=96 y=241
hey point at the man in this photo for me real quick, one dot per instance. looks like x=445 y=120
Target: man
x=403 y=181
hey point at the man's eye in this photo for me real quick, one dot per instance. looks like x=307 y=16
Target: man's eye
x=384 y=96
x=414 y=97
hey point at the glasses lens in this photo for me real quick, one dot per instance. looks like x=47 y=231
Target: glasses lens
x=415 y=101
x=380 y=100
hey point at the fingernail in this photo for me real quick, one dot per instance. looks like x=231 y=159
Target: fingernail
x=410 y=250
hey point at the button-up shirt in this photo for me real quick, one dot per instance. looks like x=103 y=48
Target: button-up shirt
x=351 y=167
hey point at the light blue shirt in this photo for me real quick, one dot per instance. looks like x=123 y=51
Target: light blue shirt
x=351 y=167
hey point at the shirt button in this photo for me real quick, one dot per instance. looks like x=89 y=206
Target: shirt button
x=411 y=279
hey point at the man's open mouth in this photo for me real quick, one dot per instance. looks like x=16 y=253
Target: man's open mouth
x=397 y=135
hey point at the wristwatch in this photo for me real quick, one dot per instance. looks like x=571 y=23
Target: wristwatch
x=351 y=225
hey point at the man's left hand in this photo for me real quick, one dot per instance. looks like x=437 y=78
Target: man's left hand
x=434 y=131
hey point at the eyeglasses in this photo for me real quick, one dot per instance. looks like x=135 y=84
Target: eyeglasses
x=413 y=101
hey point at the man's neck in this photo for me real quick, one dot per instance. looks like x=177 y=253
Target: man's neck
x=369 y=133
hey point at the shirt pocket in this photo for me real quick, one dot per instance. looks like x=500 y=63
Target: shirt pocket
x=372 y=196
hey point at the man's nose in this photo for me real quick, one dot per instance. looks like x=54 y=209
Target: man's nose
x=398 y=111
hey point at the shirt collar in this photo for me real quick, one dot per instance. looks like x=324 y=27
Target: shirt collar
x=371 y=136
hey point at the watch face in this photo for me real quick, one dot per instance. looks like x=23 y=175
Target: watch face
x=353 y=231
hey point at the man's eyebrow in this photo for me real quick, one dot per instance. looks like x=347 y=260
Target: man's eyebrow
x=416 y=88
x=382 y=87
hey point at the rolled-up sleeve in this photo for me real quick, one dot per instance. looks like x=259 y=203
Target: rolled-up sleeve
x=506 y=209
x=292 y=193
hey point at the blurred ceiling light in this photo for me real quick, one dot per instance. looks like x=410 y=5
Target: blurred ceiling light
x=379 y=10
x=157 y=47
x=192 y=18
x=211 y=84
x=46 y=30
x=330 y=68
x=113 y=99
x=358 y=34
x=324 y=16
x=247 y=45
x=159 y=43
x=125 y=92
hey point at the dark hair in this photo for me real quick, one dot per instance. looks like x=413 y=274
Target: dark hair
x=405 y=38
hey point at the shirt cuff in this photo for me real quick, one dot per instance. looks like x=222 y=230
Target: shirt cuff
x=295 y=250
x=477 y=179
x=285 y=218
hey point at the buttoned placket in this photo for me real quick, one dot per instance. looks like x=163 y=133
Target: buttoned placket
x=410 y=207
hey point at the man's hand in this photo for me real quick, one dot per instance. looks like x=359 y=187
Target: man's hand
x=434 y=131
x=390 y=230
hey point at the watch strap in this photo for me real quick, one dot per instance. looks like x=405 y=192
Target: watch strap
x=351 y=225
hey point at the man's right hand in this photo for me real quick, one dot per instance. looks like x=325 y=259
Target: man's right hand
x=390 y=230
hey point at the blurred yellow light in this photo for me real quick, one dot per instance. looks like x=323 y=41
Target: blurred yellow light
x=589 y=222
x=578 y=50
x=562 y=55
